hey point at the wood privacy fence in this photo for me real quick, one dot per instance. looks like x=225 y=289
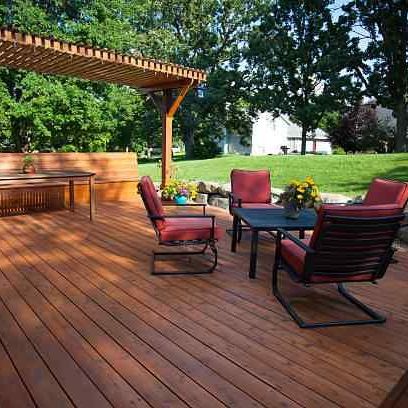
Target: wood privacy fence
x=116 y=179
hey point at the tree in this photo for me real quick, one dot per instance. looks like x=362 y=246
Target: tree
x=360 y=131
x=384 y=68
x=201 y=33
x=39 y=112
x=208 y=34
x=298 y=62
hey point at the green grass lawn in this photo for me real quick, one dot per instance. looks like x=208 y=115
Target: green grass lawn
x=348 y=175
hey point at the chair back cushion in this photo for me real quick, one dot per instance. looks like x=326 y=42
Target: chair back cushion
x=382 y=191
x=251 y=186
x=151 y=201
x=352 y=242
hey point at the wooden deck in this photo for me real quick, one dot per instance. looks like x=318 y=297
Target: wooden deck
x=82 y=323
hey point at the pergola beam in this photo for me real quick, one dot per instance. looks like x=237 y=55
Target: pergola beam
x=49 y=56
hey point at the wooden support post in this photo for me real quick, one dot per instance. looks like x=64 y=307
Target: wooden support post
x=167 y=138
x=168 y=106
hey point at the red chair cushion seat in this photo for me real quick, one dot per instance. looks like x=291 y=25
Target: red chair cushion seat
x=383 y=191
x=295 y=256
x=188 y=229
x=384 y=210
x=251 y=186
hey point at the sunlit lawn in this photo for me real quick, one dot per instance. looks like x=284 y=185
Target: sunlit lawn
x=348 y=175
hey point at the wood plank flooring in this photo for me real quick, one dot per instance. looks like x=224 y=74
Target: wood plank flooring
x=84 y=324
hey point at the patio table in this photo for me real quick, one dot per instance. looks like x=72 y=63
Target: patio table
x=267 y=220
x=71 y=176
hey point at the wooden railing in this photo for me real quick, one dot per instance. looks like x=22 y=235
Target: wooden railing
x=116 y=180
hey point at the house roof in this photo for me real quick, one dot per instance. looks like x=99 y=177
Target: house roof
x=49 y=56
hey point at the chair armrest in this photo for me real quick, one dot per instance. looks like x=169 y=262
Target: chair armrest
x=233 y=199
x=296 y=240
x=171 y=204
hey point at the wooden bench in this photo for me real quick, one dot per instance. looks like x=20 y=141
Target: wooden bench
x=116 y=180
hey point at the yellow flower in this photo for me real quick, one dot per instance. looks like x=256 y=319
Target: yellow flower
x=300 y=197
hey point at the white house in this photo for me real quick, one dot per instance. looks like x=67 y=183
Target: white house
x=269 y=134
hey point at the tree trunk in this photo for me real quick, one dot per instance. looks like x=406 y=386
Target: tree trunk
x=401 y=141
x=304 y=134
x=189 y=142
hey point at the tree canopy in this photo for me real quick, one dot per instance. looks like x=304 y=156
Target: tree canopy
x=298 y=62
x=283 y=56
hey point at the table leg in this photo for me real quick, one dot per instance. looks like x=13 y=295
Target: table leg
x=92 y=198
x=234 y=233
x=71 y=195
x=254 y=255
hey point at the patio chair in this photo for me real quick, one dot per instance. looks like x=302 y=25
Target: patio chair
x=383 y=191
x=179 y=230
x=349 y=244
x=250 y=189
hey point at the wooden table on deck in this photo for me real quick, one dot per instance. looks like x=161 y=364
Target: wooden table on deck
x=71 y=176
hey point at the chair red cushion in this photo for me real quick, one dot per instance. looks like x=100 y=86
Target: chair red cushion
x=383 y=191
x=152 y=201
x=384 y=210
x=251 y=186
x=188 y=229
x=295 y=256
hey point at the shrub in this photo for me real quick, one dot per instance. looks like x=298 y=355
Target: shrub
x=338 y=150
x=207 y=150
x=69 y=148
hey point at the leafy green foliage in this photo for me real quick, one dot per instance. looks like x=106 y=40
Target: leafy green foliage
x=383 y=27
x=50 y=112
x=298 y=62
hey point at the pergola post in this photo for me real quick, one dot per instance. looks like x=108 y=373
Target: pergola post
x=168 y=106
x=167 y=137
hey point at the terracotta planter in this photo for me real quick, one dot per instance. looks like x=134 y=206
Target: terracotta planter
x=29 y=169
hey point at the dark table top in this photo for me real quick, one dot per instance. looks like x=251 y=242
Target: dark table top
x=265 y=219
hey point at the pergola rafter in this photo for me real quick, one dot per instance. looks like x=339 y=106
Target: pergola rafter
x=157 y=78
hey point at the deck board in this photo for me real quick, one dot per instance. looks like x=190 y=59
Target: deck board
x=78 y=305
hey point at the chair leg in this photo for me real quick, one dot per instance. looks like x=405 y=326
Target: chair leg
x=211 y=245
x=239 y=238
x=376 y=318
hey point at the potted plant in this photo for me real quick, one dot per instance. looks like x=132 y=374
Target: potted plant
x=28 y=164
x=298 y=195
x=179 y=191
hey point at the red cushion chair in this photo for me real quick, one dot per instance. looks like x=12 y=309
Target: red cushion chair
x=250 y=189
x=178 y=230
x=348 y=244
x=382 y=191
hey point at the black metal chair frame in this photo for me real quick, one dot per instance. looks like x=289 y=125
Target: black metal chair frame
x=348 y=224
x=208 y=243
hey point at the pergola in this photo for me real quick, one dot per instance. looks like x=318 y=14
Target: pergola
x=166 y=83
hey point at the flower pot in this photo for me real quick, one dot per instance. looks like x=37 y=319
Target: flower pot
x=180 y=199
x=291 y=211
x=29 y=169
